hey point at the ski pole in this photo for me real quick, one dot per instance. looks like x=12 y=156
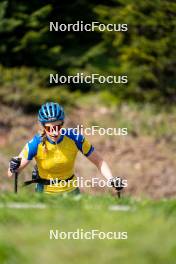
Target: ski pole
x=15 y=182
x=119 y=194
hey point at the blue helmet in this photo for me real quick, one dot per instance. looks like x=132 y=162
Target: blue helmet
x=50 y=112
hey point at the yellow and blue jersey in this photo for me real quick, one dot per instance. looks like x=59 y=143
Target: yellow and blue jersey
x=57 y=160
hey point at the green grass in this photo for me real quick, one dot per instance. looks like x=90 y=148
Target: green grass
x=25 y=232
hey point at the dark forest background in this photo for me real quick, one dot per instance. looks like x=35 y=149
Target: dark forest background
x=146 y=53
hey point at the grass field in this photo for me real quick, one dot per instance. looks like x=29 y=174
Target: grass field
x=146 y=157
x=24 y=233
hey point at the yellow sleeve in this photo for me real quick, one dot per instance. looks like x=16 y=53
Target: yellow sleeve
x=24 y=153
x=87 y=148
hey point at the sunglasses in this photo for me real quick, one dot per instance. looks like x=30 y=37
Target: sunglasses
x=53 y=128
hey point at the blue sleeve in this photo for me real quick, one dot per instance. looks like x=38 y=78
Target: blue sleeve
x=81 y=142
x=30 y=149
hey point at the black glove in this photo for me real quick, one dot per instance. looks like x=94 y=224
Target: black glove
x=14 y=164
x=117 y=183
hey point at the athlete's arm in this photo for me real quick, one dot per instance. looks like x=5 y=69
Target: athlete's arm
x=89 y=151
x=26 y=155
x=102 y=165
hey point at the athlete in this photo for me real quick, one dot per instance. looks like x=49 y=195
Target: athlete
x=55 y=153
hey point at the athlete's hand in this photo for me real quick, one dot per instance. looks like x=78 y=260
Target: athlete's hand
x=117 y=183
x=14 y=164
x=35 y=173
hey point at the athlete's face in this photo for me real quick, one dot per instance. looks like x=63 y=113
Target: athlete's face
x=53 y=129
